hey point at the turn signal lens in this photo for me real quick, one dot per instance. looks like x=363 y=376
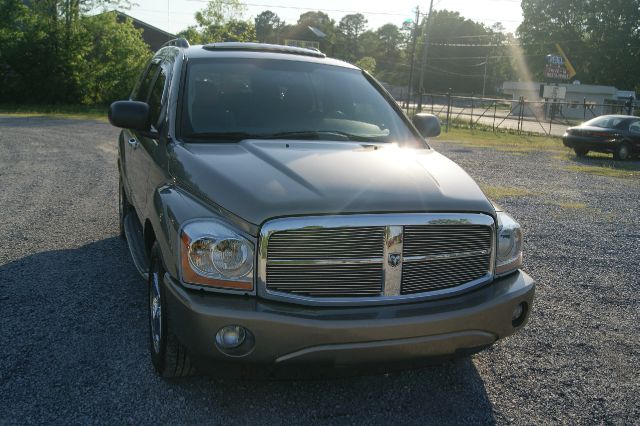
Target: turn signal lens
x=509 y=252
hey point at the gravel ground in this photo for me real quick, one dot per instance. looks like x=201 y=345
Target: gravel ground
x=73 y=321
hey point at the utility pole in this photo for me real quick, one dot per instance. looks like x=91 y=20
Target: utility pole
x=486 y=62
x=413 y=56
x=484 y=80
x=425 y=48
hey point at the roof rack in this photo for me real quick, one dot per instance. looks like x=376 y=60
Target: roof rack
x=178 y=42
x=260 y=47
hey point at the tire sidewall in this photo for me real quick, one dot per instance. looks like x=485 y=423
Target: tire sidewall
x=123 y=205
x=581 y=152
x=623 y=152
x=156 y=272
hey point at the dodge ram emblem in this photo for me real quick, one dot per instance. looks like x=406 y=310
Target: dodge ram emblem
x=394 y=259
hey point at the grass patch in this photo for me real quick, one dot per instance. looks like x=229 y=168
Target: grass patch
x=499 y=192
x=608 y=169
x=502 y=141
x=80 y=112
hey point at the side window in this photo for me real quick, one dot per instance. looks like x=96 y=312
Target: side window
x=155 y=97
x=635 y=127
x=142 y=91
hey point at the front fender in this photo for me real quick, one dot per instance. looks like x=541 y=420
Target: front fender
x=171 y=208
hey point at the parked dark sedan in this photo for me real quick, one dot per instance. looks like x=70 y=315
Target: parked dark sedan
x=617 y=134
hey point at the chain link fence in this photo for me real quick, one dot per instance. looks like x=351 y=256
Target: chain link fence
x=547 y=117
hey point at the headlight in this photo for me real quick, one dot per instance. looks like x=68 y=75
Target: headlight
x=214 y=255
x=509 y=251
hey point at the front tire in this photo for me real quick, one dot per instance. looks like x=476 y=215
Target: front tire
x=581 y=152
x=123 y=207
x=623 y=152
x=169 y=357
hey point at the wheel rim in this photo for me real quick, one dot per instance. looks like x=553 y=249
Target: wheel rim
x=623 y=152
x=155 y=312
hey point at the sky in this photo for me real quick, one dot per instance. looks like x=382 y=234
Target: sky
x=175 y=15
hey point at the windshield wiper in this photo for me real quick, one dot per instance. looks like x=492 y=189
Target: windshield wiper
x=230 y=136
x=310 y=135
x=322 y=134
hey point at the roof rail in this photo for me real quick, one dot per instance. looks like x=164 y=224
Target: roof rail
x=260 y=47
x=178 y=42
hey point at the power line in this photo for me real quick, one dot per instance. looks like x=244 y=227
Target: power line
x=363 y=12
x=274 y=6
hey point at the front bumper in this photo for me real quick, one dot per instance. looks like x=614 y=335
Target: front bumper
x=590 y=143
x=285 y=333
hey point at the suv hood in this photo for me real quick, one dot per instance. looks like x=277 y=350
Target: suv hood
x=258 y=180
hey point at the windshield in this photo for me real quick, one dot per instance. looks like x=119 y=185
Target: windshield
x=606 y=122
x=235 y=99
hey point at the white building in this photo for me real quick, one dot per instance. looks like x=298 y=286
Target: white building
x=599 y=100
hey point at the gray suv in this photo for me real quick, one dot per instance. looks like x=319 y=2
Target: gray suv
x=285 y=211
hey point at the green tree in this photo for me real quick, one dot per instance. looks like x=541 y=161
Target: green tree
x=318 y=19
x=350 y=28
x=111 y=60
x=390 y=40
x=220 y=20
x=50 y=52
x=268 y=27
x=324 y=23
x=385 y=46
x=458 y=50
x=601 y=38
x=368 y=64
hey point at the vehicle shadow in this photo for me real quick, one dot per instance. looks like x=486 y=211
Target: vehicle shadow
x=74 y=346
x=600 y=160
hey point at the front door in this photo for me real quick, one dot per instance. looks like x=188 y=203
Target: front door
x=133 y=156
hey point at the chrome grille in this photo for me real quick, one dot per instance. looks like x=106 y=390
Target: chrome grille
x=374 y=258
x=298 y=261
x=444 y=256
x=334 y=243
x=326 y=280
x=445 y=239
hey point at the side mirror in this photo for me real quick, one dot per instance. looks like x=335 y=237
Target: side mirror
x=130 y=115
x=427 y=124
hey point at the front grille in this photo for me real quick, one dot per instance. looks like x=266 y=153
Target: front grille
x=326 y=280
x=421 y=254
x=303 y=249
x=441 y=257
x=322 y=243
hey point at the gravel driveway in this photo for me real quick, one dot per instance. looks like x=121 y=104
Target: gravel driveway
x=73 y=345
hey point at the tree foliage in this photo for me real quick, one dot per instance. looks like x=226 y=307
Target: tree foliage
x=351 y=28
x=600 y=37
x=268 y=27
x=219 y=21
x=52 y=52
x=63 y=51
x=368 y=64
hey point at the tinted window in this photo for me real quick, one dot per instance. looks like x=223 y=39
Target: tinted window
x=141 y=92
x=635 y=127
x=606 y=122
x=268 y=97
x=155 y=97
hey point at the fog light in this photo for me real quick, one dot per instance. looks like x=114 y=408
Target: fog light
x=230 y=336
x=519 y=314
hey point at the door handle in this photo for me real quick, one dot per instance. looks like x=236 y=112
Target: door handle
x=133 y=142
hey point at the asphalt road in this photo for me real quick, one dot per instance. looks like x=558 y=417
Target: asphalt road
x=73 y=332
